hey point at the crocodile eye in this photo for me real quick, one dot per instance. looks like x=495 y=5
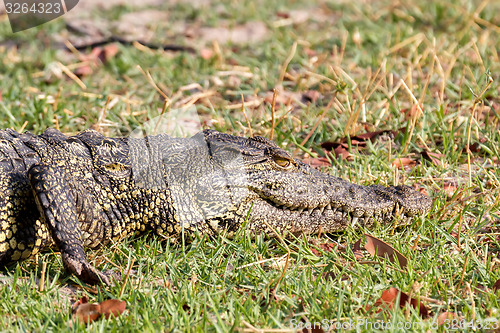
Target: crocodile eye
x=115 y=167
x=282 y=162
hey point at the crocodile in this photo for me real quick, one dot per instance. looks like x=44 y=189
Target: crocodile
x=86 y=191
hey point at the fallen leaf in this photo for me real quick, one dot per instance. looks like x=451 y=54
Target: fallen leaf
x=435 y=158
x=341 y=147
x=311 y=96
x=112 y=307
x=329 y=145
x=403 y=161
x=282 y=14
x=95 y=58
x=476 y=146
x=389 y=298
x=109 y=52
x=79 y=302
x=496 y=286
x=356 y=249
x=375 y=246
x=412 y=112
x=374 y=135
x=446 y=316
x=342 y=152
x=317 y=162
x=326 y=275
x=206 y=53
x=310 y=52
x=327 y=247
x=89 y=312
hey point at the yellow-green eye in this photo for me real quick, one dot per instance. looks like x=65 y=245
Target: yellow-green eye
x=282 y=162
x=115 y=167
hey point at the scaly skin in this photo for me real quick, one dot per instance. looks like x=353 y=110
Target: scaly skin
x=86 y=190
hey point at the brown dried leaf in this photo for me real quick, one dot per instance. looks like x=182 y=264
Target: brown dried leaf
x=87 y=312
x=446 y=316
x=311 y=96
x=109 y=52
x=389 y=298
x=435 y=158
x=341 y=147
x=326 y=275
x=403 y=161
x=372 y=135
x=377 y=247
x=411 y=113
x=476 y=146
x=112 y=307
x=496 y=286
x=206 y=53
x=79 y=302
x=327 y=247
x=282 y=14
x=95 y=58
x=342 y=152
x=356 y=249
x=317 y=162
x=83 y=70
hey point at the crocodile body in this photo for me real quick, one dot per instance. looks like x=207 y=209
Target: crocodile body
x=87 y=190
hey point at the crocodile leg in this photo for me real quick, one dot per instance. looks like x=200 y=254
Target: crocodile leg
x=56 y=201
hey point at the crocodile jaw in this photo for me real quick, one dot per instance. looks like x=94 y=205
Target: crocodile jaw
x=353 y=205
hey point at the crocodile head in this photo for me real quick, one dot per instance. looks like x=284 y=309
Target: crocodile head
x=255 y=180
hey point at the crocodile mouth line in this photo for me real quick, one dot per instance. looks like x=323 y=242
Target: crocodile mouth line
x=338 y=211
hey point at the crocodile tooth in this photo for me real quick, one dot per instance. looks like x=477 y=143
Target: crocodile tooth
x=396 y=209
x=329 y=206
x=354 y=221
x=300 y=210
x=321 y=209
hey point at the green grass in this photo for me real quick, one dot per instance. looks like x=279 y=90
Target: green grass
x=355 y=53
